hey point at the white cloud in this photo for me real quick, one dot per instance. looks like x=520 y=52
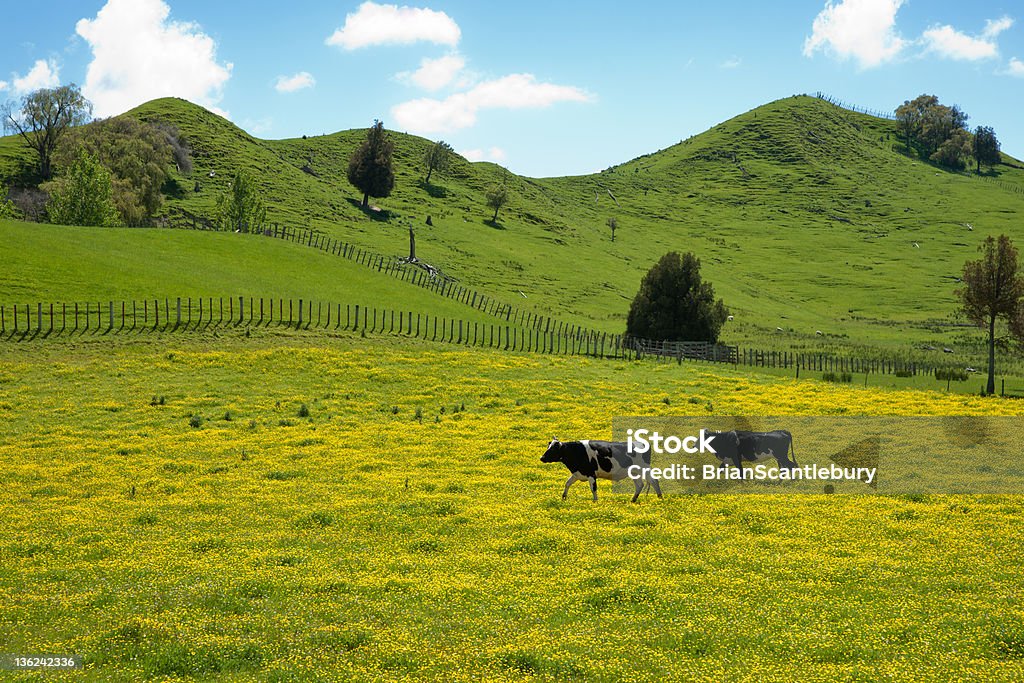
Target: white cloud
x=516 y=91
x=954 y=44
x=139 y=55
x=435 y=74
x=258 y=126
x=301 y=80
x=993 y=27
x=374 y=24
x=4 y=85
x=731 y=63
x=43 y=74
x=1015 y=68
x=864 y=30
x=496 y=154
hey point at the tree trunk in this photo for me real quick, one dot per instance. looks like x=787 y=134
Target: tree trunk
x=991 y=355
x=412 y=245
x=366 y=200
x=427 y=181
x=494 y=219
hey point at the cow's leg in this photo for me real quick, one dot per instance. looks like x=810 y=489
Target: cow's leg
x=593 y=487
x=638 y=486
x=655 y=484
x=572 y=479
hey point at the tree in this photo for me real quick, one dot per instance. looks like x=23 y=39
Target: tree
x=7 y=207
x=986 y=147
x=44 y=117
x=954 y=151
x=613 y=224
x=83 y=196
x=138 y=156
x=675 y=304
x=497 y=197
x=241 y=208
x=437 y=158
x=938 y=124
x=992 y=290
x=369 y=167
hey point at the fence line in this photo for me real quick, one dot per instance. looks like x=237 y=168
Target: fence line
x=854 y=108
x=21 y=321
x=182 y=314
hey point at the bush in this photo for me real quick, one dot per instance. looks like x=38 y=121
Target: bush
x=673 y=303
x=195 y=421
x=303 y=410
x=951 y=374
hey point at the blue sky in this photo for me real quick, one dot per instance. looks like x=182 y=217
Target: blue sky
x=544 y=88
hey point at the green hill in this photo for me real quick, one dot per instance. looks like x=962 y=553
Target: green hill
x=807 y=217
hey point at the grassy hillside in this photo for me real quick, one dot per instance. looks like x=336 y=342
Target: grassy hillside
x=807 y=218
x=47 y=263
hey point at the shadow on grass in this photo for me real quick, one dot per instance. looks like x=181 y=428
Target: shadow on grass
x=435 y=191
x=493 y=224
x=370 y=212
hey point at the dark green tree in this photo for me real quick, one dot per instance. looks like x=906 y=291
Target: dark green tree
x=370 y=166
x=437 y=158
x=985 y=147
x=675 y=304
x=83 y=196
x=241 y=208
x=44 y=117
x=613 y=225
x=992 y=291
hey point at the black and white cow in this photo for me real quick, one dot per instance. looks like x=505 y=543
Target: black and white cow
x=592 y=460
x=743 y=446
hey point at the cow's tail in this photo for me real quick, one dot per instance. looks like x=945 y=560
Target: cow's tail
x=792 y=450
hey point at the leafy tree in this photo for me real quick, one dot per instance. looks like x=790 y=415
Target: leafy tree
x=7 y=207
x=675 y=304
x=370 y=168
x=497 y=197
x=43 y=119
x=938 y=124
x=84 y=196
x=986 y=147
x=613 y=224
x=954 y=151
x=992 y=290
x=437 y=158
x=909 y=115
x=240 y=208
x=138 y=156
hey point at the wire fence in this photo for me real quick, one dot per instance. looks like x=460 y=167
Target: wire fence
x=854 y=108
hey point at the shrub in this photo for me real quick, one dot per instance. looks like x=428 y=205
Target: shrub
x=195 y=421
x=303 y=410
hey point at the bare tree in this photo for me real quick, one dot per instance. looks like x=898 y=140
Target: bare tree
x=613 y=224
x=43 y=118
x=992 y=290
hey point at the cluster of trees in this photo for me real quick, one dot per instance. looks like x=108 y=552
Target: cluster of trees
x=938 y=132
x=371 y=168
x=107 y=172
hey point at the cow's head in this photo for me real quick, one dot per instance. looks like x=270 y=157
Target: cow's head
x=553 y=453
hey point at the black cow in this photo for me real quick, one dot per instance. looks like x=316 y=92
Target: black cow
x=593 y=460
x=744 y=446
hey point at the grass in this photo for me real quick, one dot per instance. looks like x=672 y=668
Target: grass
x=805 y=217
x=360 y=542
x=64 y=264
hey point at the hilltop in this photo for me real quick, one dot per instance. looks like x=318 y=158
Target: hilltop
x=807 y=217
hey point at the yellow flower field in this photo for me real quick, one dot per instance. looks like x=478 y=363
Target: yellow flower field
x=347 y=510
